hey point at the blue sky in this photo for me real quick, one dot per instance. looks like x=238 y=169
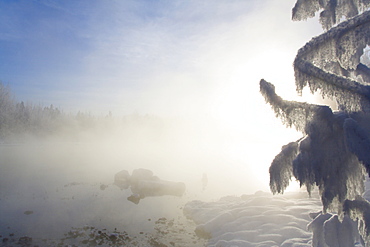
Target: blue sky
x=197 y=60
x=159 y=57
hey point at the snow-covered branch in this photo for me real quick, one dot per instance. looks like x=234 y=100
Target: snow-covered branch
x=332 y=11
x=358 y=141
x=330 y=61
x=359 y=209
x=281 y=169
x=292 y=113
x=329 y=156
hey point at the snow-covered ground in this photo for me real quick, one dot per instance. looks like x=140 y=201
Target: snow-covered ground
x=255 y=220
x=265 y=220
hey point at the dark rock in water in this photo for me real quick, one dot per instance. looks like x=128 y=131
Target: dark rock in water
x=143 y=184
x=155 y=243
x=201 y=233
x=141 y=174
x=162 y=220
x=113 y=237
x=28 y=212
x=24 y=241
x=122 y=180
x=134 y=198
x=103 y=186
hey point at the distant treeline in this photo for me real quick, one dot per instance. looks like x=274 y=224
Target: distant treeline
x=19 y=120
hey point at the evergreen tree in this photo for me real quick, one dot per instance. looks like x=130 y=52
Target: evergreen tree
x=334 y=152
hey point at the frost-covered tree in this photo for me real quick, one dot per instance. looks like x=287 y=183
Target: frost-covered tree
x=6 y=110
x=334 y=152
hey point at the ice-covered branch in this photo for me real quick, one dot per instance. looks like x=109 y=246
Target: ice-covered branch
x=358 y=141
x=359 y=209
x=328 y=63
x=292 y=113
x=330 y=155
x=305 y=9
x=281 y=169
x=332 y=10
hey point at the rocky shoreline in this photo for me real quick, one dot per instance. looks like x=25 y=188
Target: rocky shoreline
x=166 y=233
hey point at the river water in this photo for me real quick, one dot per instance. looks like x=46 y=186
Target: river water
x=49 y=188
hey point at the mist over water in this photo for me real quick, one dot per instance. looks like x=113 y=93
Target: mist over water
x=66 y=179
x=199 y=82
x=57 y=169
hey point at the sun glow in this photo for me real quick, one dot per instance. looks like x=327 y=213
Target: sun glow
x=255 y=134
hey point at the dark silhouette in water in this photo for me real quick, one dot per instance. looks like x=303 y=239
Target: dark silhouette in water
x=143 y=183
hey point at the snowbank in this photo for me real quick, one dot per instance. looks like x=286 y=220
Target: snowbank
x=265 y=220
x=255 y=220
